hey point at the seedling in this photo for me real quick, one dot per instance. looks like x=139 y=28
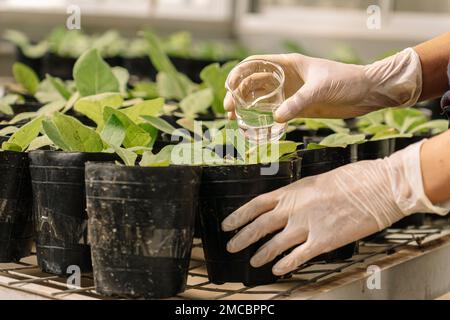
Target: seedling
x=399 y=123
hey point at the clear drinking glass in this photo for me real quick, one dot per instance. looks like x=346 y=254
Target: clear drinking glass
x=257 y=87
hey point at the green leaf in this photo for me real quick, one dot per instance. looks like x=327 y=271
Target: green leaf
x=339 y=140
x=215 y=77
x=114 y=132
x=272 y=152
x=197 y=102
x=47 y=92
x=39 y=142
x=123 y=76
x=23 y=116
x=375 y=128
x=93 y=75
x=336 y=125
x=59 y=86
x=163 y=64
x=6 y=102
x=50 y=108
x=146 y=108
x=71 y=135
x=8 y=130
x=168 y=88
x=128 y=157
x=396 y=117
x=20 y=140
x=370 y=119
x=390 y=134
x=191 y=125
x=162 y=159
x=166 y=127
x=26 y=77
x=436 y=127
x=135 y=136
x=148 y=90
x=93 y=106
x=16 y=37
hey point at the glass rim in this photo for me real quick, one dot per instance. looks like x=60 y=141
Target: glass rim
x=275 y=65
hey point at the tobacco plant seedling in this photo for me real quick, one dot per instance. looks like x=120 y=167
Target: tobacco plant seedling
x=398 y=123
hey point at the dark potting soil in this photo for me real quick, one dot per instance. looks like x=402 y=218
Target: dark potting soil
x=16 y=227
x=140 y=67
x=141 y=226
x=60 y=209
x=225 y=189
x=315 y=162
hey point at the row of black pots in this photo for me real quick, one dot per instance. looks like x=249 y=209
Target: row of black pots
x=140 y=67
x=61 y=220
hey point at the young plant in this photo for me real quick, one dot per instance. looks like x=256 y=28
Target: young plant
x=203 y=150
x=20 y=40
x=398 y=123
x=171 y=83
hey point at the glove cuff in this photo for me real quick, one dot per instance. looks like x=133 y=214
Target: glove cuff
x=407 y=183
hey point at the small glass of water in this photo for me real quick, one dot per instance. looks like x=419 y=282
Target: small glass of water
x=257 y=87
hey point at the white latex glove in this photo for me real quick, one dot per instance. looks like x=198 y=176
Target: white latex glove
x=318 y=88
x=322 y=213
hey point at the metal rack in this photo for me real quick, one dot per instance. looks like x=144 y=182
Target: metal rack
x=26 y=278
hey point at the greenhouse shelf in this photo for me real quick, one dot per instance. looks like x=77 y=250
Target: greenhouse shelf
x=409 y=260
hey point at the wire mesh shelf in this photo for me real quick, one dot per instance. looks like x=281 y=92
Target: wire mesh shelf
x=25 y=276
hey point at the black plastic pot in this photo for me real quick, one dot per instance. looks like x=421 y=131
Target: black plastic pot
x=141 y=226
x=16 y=227
x=402 y=143
x=115 y=61
x=315 y=162
x=373 y=150
x=30 y=104
x=319 y=161
x=27 y=106
x=33 y=63
x=58 y=66
x=225 y=189
x=60 y=209
x=140 y=67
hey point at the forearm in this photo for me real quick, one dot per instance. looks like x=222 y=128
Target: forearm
x=434 y=56
x=435 y=162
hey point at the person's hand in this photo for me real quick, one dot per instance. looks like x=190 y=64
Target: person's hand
x=322 y=213
x=318 y=88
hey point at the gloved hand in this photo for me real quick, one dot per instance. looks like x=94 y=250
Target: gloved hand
x=322 y=213
x=318 y=88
